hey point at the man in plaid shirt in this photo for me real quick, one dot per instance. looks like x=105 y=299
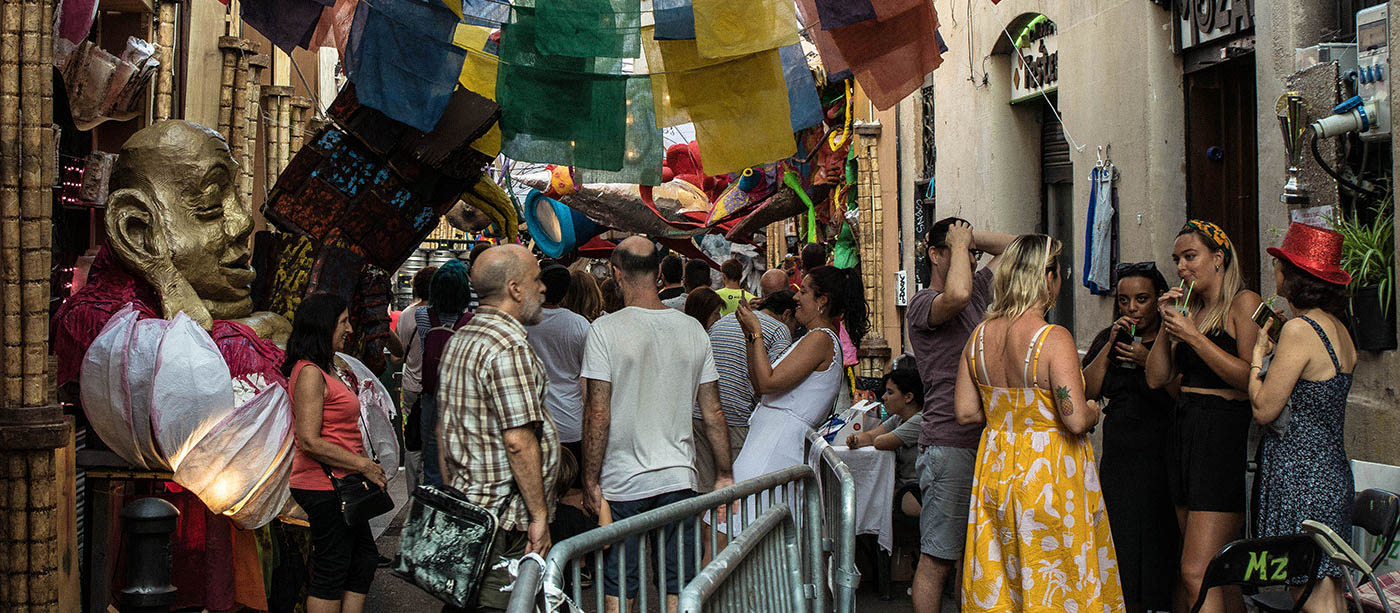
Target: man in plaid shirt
x=499 y=445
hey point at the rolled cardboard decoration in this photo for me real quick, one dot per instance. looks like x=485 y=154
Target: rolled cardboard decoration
x=557 y=228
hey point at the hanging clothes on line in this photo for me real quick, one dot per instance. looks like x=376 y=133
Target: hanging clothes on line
x=1101 y=230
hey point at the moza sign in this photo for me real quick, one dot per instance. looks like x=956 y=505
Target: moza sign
x=1203 y=21
x=1035 y=68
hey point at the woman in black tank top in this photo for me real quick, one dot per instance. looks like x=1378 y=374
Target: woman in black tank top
x=1210 y=427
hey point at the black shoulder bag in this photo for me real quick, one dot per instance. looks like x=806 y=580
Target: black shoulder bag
x=360 y=499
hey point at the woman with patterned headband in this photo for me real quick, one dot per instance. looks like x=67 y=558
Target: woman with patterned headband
x=1208 y=322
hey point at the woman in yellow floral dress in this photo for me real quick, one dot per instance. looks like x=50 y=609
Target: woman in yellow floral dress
x=1037 y=536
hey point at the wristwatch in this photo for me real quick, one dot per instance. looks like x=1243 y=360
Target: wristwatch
x=755 y=337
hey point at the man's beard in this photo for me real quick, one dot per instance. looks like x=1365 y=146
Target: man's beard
x=532 y=313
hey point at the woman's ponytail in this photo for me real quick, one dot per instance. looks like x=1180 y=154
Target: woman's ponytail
x=845 y=296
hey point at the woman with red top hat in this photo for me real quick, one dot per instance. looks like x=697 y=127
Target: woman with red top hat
x=1304 y=472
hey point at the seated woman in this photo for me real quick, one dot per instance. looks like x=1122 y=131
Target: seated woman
x=1136 y=421
x=1037 y=536
x=904 y=399
x=1304 y=472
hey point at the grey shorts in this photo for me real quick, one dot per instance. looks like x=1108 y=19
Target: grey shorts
x=945 y=476
x=705 y=457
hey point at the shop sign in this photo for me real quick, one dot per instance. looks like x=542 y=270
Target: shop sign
x=1036 y=67
x=1199 y=22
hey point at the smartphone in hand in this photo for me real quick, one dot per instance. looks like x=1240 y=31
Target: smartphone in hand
x=1269 y=321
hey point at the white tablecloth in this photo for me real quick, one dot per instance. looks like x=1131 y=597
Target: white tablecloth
x=873 y=471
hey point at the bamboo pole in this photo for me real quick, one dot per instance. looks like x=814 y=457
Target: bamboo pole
x=36 y=209
x=284 y=131
x=238 y=129
x=165 y=50
x=269 y=141
x=229 y=50
x=28 y=532
x=11 y=330
x=301 y=107
x=252 y=117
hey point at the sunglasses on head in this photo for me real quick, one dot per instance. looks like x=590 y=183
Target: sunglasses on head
x=1133 y=267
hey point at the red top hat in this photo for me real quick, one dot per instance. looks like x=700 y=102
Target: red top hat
x=1315 y=250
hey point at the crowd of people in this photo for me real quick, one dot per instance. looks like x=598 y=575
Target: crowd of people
x=560 y=403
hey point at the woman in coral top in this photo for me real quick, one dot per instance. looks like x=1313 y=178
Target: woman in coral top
x=327 y=413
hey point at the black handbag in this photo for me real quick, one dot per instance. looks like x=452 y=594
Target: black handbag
x=360 y=499
x=445 y=545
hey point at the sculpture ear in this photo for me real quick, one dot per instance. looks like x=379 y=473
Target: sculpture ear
x=134 y=228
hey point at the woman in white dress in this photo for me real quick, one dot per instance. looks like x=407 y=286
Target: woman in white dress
x=797 y=391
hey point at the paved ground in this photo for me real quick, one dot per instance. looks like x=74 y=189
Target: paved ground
x=391 y=594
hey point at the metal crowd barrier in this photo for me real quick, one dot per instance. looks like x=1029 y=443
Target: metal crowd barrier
x=838 y=494
x=760 y=570
x=824 y=514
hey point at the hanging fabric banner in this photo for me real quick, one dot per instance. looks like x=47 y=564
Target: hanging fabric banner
x=804 y=103
x=841 y=13
x=890 y=59
x=287 y=23
x=557 y=109
x=646 y=148
x=333 y=30
x=479 y=76
x=405 y=65
x=739 y=106
x=832 y=61
x=589 y=28
x=488 y=13
x=726 y=28
x=674 y=20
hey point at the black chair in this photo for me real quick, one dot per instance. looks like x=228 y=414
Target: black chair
x=1378 y=513
x=1263 y=562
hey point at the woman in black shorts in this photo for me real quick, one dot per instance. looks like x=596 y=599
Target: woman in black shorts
x=1207 y=357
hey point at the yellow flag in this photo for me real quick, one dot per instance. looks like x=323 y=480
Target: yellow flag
x=726 y=28
x=479 y=70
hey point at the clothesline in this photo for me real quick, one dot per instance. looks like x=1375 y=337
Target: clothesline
x=1077 y=147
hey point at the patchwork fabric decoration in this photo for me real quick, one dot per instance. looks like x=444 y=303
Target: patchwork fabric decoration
x=727 y=28
x=645 y=146
x=292 y=276
x=558 y=109
x=403 y=63
x=441 y=162
x=337 y=189
x=589 y=28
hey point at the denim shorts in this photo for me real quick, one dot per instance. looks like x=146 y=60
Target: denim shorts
x=945 y=476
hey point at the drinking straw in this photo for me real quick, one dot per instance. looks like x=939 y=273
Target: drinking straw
x=1187 y=301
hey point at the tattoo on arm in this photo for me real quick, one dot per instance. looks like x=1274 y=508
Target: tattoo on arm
x=1062 y=399
x=596 y=426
